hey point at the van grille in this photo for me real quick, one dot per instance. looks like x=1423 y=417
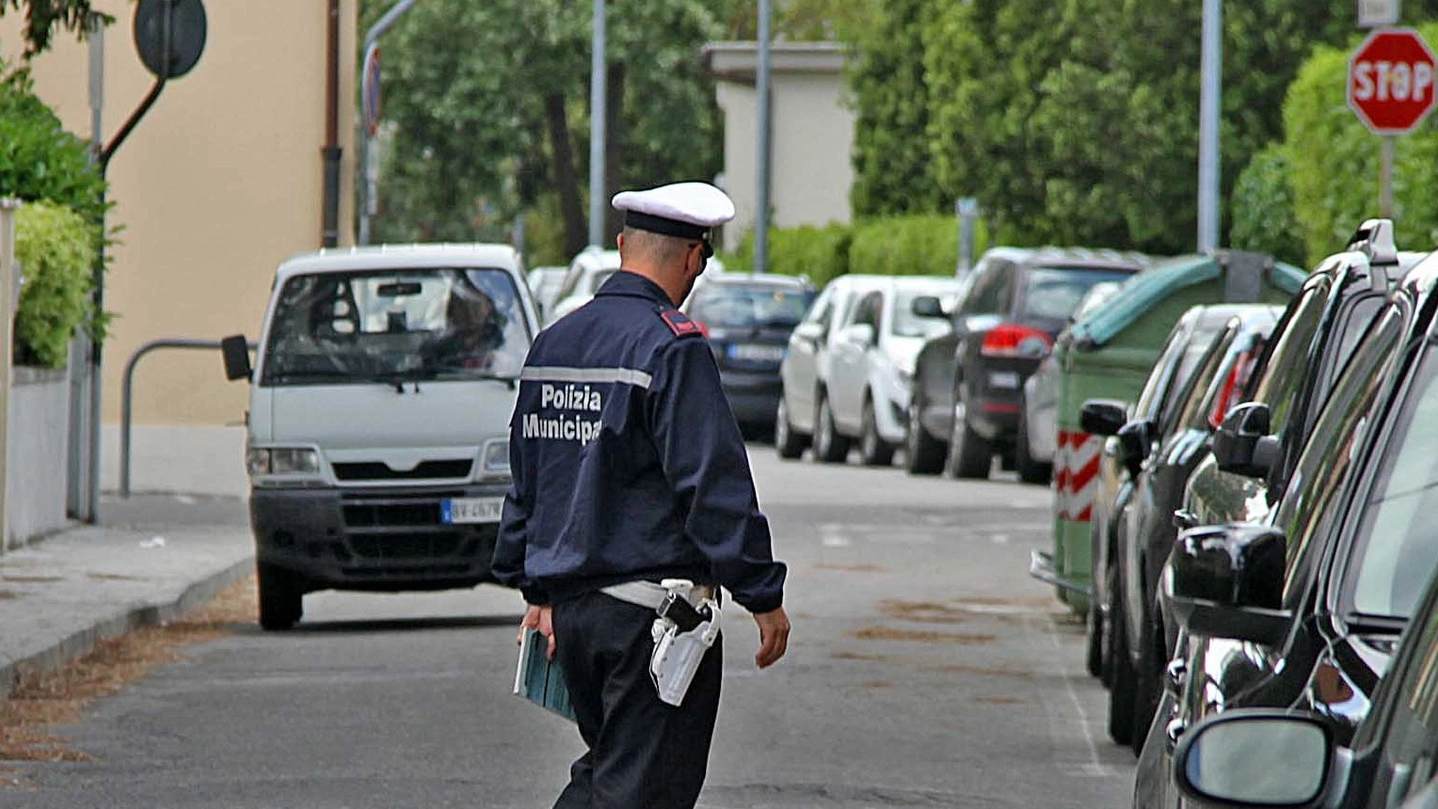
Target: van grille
x=426 y=470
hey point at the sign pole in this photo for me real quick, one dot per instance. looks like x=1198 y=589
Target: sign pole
x=1385 y=178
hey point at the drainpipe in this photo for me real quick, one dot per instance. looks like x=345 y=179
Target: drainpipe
x=330 y=234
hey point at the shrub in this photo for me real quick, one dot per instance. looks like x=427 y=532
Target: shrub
x=909 y=245
x=56 y=251
x=820 y=253
x=1263 y=215
x=39 y=160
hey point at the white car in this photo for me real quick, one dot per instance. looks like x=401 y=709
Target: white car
x=847 y=372
x=544 y=284
x=587 y=272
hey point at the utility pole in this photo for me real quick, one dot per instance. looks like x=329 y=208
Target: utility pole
x=598 y=114
x=369 y=167
x=763 y=96
x=1209 y=112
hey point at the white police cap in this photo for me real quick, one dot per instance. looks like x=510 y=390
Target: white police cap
x=685 y=210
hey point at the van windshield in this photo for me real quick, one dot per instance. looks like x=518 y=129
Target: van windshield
x=391 y=325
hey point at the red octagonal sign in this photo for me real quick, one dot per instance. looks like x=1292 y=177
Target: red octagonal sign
x=1390 y=80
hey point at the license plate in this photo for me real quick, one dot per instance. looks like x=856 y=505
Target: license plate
x=756 y=353
x=1004 y=379
x=458 y=510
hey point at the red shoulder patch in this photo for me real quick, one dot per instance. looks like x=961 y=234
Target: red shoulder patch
x=680 y=324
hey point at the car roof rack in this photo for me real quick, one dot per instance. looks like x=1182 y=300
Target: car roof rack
x=1374 y=238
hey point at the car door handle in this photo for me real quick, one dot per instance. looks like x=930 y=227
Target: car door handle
x=1184 y=519
x=1177 y=669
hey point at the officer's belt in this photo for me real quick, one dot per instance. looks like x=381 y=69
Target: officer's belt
x=651 y=595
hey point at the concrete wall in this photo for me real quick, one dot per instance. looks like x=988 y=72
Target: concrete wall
x=38 y=442
x=220 y=182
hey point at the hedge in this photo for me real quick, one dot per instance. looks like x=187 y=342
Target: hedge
x=56 y=251
x=39 y=160
x=902 y=245
x=1264 y=219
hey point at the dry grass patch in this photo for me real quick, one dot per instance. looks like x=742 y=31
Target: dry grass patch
x=42 y=701
x=921 y=636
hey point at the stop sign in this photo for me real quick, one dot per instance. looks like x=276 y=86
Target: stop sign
x=1390 y=80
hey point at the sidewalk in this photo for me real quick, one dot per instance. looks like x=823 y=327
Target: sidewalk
x=152 y=558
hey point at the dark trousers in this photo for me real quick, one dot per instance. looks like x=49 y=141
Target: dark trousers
x=642 y=752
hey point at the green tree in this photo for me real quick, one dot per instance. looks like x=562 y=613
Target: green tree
x=1264 y=219
x=43 y=17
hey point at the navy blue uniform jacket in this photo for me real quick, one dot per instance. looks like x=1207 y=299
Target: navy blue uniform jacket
x=627 y=461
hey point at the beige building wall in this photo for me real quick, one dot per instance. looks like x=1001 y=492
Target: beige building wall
x=812 y=134
x=221 y=181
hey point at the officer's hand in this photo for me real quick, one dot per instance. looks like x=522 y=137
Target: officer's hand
x=773 y=637
x=541 y=618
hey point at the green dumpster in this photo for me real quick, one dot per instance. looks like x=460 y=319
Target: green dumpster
x=1108 y=355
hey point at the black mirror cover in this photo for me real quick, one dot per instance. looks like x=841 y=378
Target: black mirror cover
x=236 y=351
x=927 y=306
x=1103 y=416
x=1227 y=581
x=1135 y=441
x=1235 y=441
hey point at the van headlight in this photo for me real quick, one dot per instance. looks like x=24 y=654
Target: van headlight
x=286 y=464
x=494 y=463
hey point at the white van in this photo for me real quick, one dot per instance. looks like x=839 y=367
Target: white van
x=379 y=415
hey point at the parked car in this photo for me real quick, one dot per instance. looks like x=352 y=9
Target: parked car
x=544 y=284
x=968 y=380
x=1159 y=457
x=358 y=481
x=748 y=320
x=872 y=364
x=1038 y=409
x=1108 y=355
x=1164 y=392
x=589 y=269
x=1304 y=611
x=1310 y=346
x=804 y=413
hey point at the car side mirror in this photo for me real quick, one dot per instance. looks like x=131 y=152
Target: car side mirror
x=927 y=306
x=1242 y=444
x=810 y=330
x=1103 y=416
x=1226 y=581
x=1256 y=757
x=1135 y=442
x=236 y=351
x=860 y=334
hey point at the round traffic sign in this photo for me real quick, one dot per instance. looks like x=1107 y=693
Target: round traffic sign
x=170 y=35
x=1391 y=80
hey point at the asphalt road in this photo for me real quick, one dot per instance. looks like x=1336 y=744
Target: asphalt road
x=926 y=669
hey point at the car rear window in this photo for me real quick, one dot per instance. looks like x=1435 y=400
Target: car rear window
x=1053 y=293
x=732 y=306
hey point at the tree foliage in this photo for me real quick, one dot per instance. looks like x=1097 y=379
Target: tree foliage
x=55 y=248
x=1264 y=218
x=39 y=160
x=44 y=17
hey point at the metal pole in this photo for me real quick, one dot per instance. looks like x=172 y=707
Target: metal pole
x=7 y=313
x=763 y=100
x=1208 y=120
x=77 y=499
x=371 y=38
x=1385 y=178
x=598 y=113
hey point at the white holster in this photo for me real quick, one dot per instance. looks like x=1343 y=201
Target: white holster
x=677 y=654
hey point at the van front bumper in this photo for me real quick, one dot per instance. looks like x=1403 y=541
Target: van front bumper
x=386 y=539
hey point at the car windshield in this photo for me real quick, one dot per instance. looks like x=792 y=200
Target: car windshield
x=1398 y=538
x=341 y=328
x=1053 y=293
x=736 y=306
x=908 y=324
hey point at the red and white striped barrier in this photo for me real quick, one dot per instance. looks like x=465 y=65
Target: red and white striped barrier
x=1076 y=464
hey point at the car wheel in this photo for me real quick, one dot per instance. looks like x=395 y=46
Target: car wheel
x=829 y=446
x=789 y=444
x=1122 y=690
x=969 y=454
x=1030 y=470
x=923 y=454
x=281 y=598
x=873 y=449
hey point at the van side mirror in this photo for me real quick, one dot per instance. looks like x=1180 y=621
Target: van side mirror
x=236 y=351
x=1135 y=442
x=1226 y=581
x=1242 y=444
x=927 y=306
x=1103 y=416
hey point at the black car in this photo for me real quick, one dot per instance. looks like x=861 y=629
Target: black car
x=747 y=319
x=1304 y=612
x=1159 y=457
x=1164 y=392
x=968 y=383
x=1311 y=344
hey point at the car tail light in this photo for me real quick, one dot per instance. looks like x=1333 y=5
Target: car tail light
x=1013 y=340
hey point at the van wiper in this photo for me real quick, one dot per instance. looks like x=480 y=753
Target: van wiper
x=397 y=379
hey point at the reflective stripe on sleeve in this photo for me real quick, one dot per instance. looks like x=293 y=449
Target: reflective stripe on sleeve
x=596 y=376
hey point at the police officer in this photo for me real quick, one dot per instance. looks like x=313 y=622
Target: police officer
x=629 y=469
